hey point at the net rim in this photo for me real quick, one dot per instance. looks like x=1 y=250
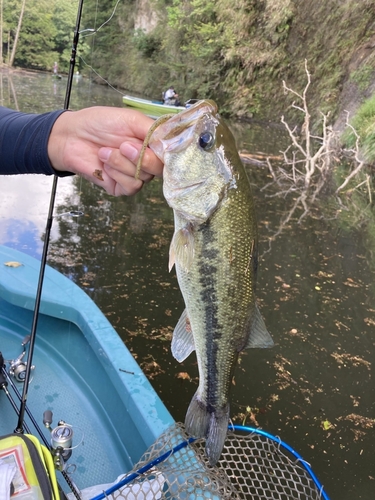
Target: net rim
x=280 y=442
x=232 y=427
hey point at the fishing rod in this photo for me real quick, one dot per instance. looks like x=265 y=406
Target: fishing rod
x=21 y=416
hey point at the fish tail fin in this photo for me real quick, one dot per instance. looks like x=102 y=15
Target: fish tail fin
x=216 y=434
x=200 y=422
x=197 y=420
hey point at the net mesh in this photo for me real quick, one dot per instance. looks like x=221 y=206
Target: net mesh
x=252 y=466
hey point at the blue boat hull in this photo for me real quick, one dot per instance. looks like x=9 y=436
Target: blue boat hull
x=83 y=373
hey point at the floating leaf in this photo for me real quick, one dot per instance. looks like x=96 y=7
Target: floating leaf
x=13 y=264
x=327 y=425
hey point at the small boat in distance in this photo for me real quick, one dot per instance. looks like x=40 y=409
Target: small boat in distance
x=154 y=108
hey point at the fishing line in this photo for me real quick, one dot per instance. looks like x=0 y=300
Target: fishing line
x=93 y=31
x=99 y=76
x=20 y=424
x=88 y=32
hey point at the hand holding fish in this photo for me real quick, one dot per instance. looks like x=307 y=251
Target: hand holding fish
x=102 y=144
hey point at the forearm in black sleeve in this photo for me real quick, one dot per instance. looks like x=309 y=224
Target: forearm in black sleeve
x=23 y=142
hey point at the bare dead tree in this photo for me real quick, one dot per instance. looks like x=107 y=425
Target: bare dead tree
x=13 y=54
x=308 y=155
x=309 y=159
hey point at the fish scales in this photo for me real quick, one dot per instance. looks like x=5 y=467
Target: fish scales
x=214 y=249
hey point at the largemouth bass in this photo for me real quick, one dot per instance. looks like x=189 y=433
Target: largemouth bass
x=214 y=249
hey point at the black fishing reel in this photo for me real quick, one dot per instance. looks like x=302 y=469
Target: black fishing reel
x=18 y=367
x=61 y=440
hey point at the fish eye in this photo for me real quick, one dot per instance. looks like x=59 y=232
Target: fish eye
x=206 y=140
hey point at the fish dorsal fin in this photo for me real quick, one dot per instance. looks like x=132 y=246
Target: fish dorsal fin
x=259 y=336
x=183 y=340
x=182 y=248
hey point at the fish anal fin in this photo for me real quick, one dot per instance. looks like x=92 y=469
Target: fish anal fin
x=182 y=340
x=259 y=335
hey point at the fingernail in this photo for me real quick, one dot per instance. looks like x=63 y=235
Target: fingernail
x=104 y=153
x=129 y=151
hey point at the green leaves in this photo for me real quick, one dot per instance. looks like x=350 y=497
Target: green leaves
x=46 y=31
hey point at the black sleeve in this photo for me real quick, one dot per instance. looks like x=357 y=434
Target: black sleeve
x=23 y=142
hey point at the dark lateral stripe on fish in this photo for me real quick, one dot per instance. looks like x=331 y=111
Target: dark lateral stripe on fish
x=213 y=329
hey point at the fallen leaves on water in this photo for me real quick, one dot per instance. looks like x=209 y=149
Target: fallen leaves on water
x=340 y=324
x=151 y=368
x=355 y=400
x=164 y=284
x=284 y=377
x=12 y=263
x=249 y=416
x=359 y=421
x=295 y=333
x=361 y=425
x=183 y=376
x=369 y=321
x=326 y=425
x=350 y=282
x=164 y=334
x=345 y=359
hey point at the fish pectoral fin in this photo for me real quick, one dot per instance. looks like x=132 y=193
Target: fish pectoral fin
x=182 y=340
x=259 y=336
x=182 y=248
x=172 y=257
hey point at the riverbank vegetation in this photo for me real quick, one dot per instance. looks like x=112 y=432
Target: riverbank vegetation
x=237 y=53
x=363 y=127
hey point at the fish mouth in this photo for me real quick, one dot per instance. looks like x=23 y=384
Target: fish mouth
x=178 y=132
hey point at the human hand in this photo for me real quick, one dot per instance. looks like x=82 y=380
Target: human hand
x=102 y=144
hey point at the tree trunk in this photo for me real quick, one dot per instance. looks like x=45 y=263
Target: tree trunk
x=17 y=34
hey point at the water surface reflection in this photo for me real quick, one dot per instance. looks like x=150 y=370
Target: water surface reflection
x=316 y=292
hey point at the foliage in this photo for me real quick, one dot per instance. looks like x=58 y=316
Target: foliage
x=146 y=44
x=46 y=29
x=363 y=76
x=364 y=124
x=236 y=52
x=35 y=47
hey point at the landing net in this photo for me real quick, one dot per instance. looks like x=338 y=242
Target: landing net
x=255 y=465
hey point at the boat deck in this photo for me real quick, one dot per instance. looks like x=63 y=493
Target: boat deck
x=78 y=375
